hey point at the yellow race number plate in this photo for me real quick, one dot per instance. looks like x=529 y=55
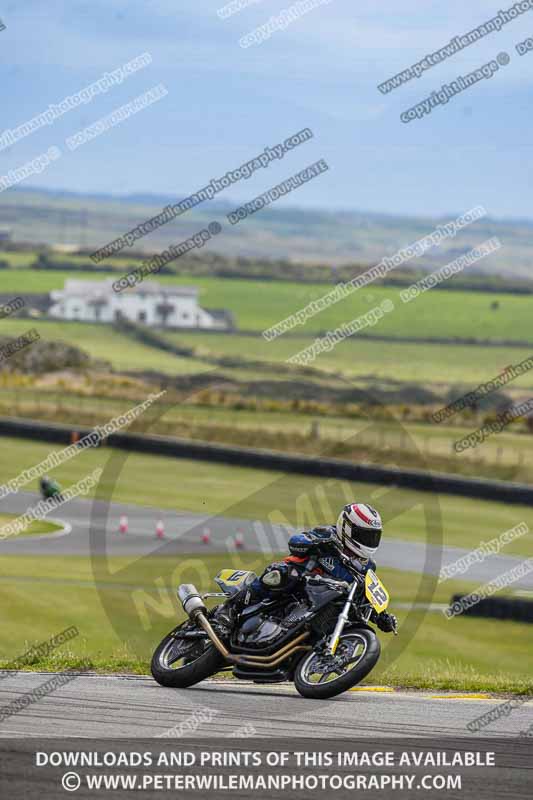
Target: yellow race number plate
x=375 y=592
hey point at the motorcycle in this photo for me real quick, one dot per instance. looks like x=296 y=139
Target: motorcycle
x=51 y=489
x=319 y=637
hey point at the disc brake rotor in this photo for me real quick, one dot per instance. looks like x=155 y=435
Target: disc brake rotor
x=346 y=653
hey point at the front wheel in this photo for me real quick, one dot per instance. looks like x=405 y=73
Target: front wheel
x=321 y=675
x=180 y=663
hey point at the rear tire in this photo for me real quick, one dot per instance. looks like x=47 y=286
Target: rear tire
x=198 y=664
x=323 y=691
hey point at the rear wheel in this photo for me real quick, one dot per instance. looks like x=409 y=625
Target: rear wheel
x=320 y=675
x=180 y=663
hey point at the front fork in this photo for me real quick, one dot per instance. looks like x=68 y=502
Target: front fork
x=342 y=620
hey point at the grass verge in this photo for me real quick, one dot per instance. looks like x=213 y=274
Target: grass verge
x=38 y=527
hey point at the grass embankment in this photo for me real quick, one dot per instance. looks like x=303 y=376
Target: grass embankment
x=254 y=494
x=323 y=431
x=37 y=528
x=257 y=306
x=120 y=626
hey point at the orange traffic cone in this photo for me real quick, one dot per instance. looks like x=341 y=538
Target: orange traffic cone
x=160 y=530
x=123 y=524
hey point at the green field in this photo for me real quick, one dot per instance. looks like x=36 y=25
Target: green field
x=257 y=306
x=120 y=626
x=102 y=342
x=412 y=362
x=301 y=501
x=37 y=528
x=360 y=360
x=433 y=366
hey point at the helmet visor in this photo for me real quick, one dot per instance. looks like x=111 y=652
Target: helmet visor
x=368 y=537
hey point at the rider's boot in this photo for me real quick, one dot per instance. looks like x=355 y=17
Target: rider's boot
x=229 y=612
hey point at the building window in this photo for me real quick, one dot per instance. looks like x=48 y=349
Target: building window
x=142 y=316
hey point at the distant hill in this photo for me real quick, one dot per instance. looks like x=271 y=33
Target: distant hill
x=309 y=236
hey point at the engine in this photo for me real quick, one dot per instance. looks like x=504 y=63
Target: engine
x=263 y=628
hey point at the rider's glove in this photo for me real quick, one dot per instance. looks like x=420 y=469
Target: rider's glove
x=386 y=622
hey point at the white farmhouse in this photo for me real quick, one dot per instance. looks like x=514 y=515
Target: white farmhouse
x=149 y=304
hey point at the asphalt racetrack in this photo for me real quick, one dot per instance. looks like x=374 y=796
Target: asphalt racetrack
x=137 y=707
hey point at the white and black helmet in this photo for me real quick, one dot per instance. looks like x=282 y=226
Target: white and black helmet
x=359 y=530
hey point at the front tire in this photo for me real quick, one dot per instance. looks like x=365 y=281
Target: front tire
x=314 y=678
x=179 y=663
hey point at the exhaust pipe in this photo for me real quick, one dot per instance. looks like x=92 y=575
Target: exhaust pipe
x=195 y=608
x=191 y=600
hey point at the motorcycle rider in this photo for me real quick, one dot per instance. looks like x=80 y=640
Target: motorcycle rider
x=49 y=487
x=323 y=551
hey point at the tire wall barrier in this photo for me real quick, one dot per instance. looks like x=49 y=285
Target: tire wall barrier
x=499 y=608
x=280 y=462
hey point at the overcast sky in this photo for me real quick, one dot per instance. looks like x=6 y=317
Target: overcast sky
x=225 y=104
